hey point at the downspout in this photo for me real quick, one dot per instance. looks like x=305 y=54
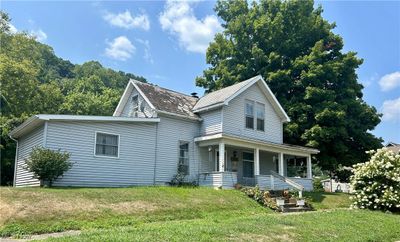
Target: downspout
x=155 y=156
x=15 y=162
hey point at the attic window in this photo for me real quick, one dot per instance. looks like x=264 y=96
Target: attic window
x=135 y=101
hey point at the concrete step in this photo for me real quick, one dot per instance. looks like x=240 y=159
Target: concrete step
x=295 y=209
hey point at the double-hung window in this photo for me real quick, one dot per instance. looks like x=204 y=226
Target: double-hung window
x=260 y=111
x=183 y=164
x=107 y=145
x=249 y=114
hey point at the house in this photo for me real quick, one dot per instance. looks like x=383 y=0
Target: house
x=393 y=147
x=233 y=135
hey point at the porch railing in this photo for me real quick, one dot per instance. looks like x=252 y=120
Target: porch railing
x=290 y=182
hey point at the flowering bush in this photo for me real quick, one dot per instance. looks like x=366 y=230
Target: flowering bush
x=376 y=183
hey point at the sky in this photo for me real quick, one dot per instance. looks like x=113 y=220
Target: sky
x=166 y=41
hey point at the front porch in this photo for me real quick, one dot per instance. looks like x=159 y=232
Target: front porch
x=226 y=161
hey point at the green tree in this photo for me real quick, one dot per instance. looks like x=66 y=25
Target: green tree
x=295 y=50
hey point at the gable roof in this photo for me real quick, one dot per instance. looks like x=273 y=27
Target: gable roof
x=223 y=96
x=160 y=99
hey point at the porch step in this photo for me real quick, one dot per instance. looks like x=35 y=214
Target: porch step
x=295 y=209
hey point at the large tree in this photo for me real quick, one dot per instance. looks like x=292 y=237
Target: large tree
x=294 y=48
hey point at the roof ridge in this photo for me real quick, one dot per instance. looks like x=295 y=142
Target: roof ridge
x=167 y=89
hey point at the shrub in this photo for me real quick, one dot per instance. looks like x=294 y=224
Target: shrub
x=317 y=185
x=47 y=165
x=179 y=180
x=376 y=183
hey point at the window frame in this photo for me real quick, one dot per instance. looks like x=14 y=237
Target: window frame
x=182 y=142
x=263 y=118
x=246 y=115
x=95 y=144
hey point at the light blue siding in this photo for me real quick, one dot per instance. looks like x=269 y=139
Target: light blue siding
x=170 y=132
x=135 y=165
x=212 y=122
x=25 y=146
x=234 y=117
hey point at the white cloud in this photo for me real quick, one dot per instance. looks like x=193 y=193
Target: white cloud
x=146 y=50
x=127 y=21
x=390 y=81
x=121 y=48
x=193 y=34
x=39 y=34
x=391 y=110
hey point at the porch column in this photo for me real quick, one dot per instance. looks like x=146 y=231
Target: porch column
x=309 y=167
x=280 y=164
x=256 y=162
x=221 y=156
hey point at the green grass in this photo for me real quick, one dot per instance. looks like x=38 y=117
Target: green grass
x=184 y=214
x=325 y=200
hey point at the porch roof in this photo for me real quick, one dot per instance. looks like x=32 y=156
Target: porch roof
x=253 y=143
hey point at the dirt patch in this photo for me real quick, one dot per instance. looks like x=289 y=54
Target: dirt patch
x=43 y=236
x=262 y=237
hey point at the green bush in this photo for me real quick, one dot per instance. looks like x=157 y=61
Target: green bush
x=317 y=185
x=376 y=183
x=47 y=165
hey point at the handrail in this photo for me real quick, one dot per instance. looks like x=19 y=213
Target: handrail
x=288 y=180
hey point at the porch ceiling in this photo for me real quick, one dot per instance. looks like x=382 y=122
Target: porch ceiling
x=253 y=144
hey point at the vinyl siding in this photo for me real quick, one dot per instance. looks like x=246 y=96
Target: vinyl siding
x=25 y=146
x=234 y=117
x=225 y=180
x=170 y=132
x=212 y=122
x=135 y=165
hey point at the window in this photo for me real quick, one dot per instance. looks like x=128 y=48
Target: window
x=248 y=164
x=249 y=114
x=183 y=165
x=260 y=110
x=107 y=145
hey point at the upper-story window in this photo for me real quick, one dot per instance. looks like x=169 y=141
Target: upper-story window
x=249 y=114
x=107 y=145
x=260 y=110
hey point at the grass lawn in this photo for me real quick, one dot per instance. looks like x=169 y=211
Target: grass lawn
x=184 y=214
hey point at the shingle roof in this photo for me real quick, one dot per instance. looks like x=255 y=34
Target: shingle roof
x=169 y=101
x=219 y=96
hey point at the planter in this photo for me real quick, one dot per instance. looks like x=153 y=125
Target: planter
x=300 y=202
x=280 y=202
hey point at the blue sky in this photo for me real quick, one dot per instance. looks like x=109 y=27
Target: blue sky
x=165 y=42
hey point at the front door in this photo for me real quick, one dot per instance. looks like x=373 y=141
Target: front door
x=248 y=164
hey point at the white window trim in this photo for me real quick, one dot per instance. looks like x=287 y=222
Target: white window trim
x=95 y=143
x=245 y=113
x=180 y=142
x=255 y=127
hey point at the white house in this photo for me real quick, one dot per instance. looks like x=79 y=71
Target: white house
x=233 y=135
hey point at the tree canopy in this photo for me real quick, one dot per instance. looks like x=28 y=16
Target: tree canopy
x=296 y=51
x=34 y=80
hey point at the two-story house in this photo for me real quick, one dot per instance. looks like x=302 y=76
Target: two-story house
x=233 y=135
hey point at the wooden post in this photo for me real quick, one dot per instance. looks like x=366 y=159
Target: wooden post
x=256 y=162
x=221 y=151
x=280 y=164
x=309 y=167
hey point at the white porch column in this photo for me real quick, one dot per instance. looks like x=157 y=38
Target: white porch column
x=280 y=164
x=221 y=150
x=309 y=167
x=256 y=162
